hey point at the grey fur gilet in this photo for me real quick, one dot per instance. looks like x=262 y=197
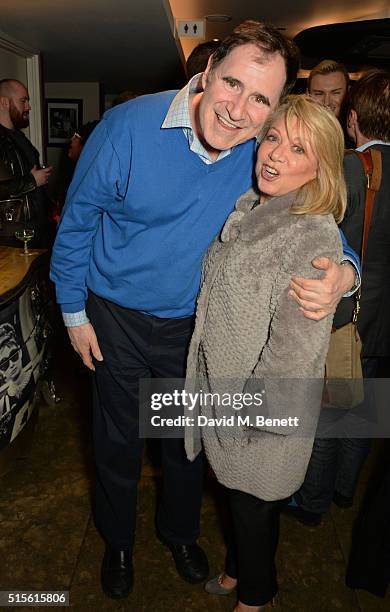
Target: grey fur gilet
x=247 y=328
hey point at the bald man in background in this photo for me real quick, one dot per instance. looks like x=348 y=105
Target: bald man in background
x=19 y=160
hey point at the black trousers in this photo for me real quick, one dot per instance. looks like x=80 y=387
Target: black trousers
x=136 y=346
x=252 y=548
x=336 y=463
x=369 y=560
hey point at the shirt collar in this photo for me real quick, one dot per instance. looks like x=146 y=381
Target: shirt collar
x=365 y=146
x=178 y=116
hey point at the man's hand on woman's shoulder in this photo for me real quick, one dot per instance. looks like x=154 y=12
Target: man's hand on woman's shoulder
x=319 y=298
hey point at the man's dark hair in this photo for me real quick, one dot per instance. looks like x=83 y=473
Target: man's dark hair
x=84 y=131
x=198 y=58
x=369 y=97
x=269 y=40
x=328 y=66
x=124 y=96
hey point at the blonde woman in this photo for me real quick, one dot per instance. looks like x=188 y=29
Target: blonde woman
x=247 y=328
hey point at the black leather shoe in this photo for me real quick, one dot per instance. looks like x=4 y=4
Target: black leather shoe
x=117 y=573
x=342 y=501
x=190 y=560
x=310 y=519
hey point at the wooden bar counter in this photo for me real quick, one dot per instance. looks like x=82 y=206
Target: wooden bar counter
x=14 y=267
x=25 y=329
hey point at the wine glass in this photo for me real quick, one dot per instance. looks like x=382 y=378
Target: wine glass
x=25 y=235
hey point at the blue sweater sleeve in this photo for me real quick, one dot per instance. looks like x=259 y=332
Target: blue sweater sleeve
x=100 y=180
x=352 y=257
x=349 y=253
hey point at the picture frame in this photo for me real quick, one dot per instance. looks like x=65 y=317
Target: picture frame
x=63 y=117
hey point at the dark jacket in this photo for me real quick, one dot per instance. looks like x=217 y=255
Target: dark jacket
x=374 y=317
x=30 y=205
x=13 y=188
x=369 y=561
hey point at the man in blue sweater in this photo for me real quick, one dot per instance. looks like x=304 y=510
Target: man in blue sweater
x=153 y=187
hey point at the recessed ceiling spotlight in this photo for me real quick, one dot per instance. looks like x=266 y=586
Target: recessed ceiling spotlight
x=216 y=39
x=218 y=18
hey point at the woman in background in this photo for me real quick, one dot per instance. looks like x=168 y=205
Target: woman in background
x=79 y=139
x=76 y=145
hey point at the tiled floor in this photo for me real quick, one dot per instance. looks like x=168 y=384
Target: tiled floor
x=48 y=539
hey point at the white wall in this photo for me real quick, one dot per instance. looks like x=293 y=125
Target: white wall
x=88 y=92
x=13 y=66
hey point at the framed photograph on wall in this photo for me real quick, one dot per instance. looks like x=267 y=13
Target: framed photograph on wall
x=63 y=118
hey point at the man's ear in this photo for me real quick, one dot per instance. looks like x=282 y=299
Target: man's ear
x=206 y=73
x=352 y=118
x=4 y=102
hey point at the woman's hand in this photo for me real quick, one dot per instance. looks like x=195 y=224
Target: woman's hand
x=319 y=298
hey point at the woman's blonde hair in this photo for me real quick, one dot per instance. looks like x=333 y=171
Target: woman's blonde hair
x=327 y=192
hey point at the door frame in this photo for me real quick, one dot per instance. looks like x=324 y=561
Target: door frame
x=32 y=58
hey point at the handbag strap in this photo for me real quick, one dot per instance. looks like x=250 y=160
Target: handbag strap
x=371 y=160
x=372 y=165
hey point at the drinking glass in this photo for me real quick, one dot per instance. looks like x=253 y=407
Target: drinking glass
x=25 y=235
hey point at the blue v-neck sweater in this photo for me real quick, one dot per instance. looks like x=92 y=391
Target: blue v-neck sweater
x=141 y=211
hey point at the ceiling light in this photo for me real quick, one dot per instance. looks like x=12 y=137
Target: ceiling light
x=218 y=18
